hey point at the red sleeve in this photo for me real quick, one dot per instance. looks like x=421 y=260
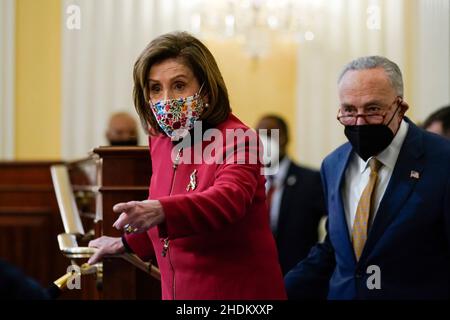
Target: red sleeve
x=140 y=244
x=224 y=203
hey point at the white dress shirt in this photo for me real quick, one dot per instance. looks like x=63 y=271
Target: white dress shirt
x=277 y=179
x=357 y=176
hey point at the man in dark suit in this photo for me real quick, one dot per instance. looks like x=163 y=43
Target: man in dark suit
x=295 y=200
x=388 y=198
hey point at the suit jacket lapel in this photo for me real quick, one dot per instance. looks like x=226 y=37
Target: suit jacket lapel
x=400 y=185
x=340 y=168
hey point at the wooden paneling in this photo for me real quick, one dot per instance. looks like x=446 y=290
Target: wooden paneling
x=25 y=240
x=30 y=220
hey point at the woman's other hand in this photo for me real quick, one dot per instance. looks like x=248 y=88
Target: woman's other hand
x=138 y=216
x=106 y=246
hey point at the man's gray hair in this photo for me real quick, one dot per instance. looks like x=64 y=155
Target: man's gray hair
x=371 y=62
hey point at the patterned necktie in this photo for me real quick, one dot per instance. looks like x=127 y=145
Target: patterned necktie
x=363 y=211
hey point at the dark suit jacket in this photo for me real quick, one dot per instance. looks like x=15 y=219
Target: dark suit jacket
x=410 y=237
x=16 y=285
x=302 y=206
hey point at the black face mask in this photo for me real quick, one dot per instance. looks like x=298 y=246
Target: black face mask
x=125 y=143
x=370 y=139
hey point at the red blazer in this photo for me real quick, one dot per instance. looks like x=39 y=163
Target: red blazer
x=217 y=237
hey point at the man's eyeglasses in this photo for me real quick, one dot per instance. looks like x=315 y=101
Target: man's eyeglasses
x=373 y=116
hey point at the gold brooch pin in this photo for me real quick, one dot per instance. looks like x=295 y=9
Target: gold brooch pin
x=192 y=181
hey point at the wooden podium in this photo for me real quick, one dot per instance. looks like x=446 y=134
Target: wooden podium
x=124 y=175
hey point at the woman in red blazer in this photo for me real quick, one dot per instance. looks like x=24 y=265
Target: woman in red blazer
x=206 y=220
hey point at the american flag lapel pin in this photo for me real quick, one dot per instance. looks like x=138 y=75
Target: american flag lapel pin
x=414 y=174
x=192 y=181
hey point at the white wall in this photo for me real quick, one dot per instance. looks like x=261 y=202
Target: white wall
x=7 y=27
x=432 y=83
x=98 y=61
x=418 y=43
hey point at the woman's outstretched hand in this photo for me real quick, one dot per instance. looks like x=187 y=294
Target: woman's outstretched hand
x=138 y=216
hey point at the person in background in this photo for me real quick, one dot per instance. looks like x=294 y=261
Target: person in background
x=205 y=223
x=295 y=200
x=439 y=122
x=122 y=130
x=387 y=192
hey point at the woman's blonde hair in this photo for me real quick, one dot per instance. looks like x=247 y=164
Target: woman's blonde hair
x=195 y=55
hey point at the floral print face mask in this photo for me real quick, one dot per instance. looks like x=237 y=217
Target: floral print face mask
x=177 y=116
